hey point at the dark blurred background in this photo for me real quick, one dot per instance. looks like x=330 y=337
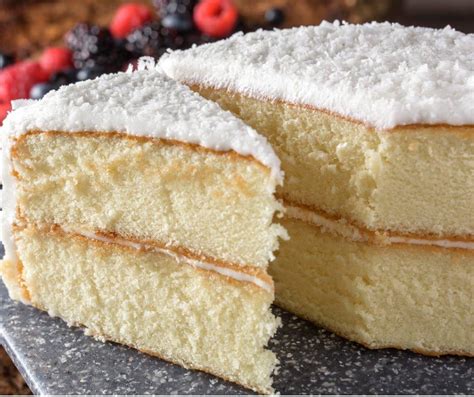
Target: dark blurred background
x=28 y=27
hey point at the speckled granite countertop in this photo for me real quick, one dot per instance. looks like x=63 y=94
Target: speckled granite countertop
x=55 y=359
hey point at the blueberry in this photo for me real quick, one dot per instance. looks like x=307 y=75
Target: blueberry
x=180 y=22
x=64 y=77
x=6 y=60
x=274 y=16
x=90 y=73
x=39 y=90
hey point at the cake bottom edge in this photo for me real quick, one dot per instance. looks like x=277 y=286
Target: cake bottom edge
x=371 y=345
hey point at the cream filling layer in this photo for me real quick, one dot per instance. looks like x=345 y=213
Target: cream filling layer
x=343 y=228
x=231 y=273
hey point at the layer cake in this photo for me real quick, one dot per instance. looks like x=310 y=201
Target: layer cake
x=143 y=212
x=374 y=127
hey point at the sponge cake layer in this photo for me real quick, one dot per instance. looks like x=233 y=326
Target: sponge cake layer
x=409 y=180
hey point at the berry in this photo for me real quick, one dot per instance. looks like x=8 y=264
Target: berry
x=177 y=14
x=4 y=109
x=146 y=41
x=39 y=90
x=168 y=7
x=16 y=80
x=6 y=60
x=153 y=40
x=92 y=46
x=216 y=18
x=90 y=73
x=129 y=17
x=55 y=58
x=274 y=16
x=64 y=77
x=179 y=22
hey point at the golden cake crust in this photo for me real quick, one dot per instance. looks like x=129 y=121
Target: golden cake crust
x=230 y=154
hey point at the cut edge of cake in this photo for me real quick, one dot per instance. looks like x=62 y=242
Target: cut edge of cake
x=232 y=167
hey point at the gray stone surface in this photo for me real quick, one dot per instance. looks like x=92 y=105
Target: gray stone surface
x=56 y=359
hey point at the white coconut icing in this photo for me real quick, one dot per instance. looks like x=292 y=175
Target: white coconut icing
x=382 y=74
x=143 y=103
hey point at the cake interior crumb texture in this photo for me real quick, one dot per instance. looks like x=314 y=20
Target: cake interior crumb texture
x=214 y=205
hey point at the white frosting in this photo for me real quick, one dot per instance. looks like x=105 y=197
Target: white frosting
x=231 y=273
x=142 y=103
x=8 y=202
x=382 y=74
x=343 y=228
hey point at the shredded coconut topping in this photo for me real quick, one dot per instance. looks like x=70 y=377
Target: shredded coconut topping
x=144 y=103
x=382 y=74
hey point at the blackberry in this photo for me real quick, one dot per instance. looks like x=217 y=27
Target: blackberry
x=166 y=7
x=94 y=46
x=146 y=40
x=153 y=39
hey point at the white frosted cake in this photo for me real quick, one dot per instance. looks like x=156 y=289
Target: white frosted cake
x=374 y=125
x=143 y=212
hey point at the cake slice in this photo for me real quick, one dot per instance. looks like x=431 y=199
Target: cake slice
x=374 y=127
x=143 y=212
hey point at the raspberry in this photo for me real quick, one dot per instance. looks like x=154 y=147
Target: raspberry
x=4 y=109
x=216 y=18
x=129 y=17
x=55 y=59
x=16 y=80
